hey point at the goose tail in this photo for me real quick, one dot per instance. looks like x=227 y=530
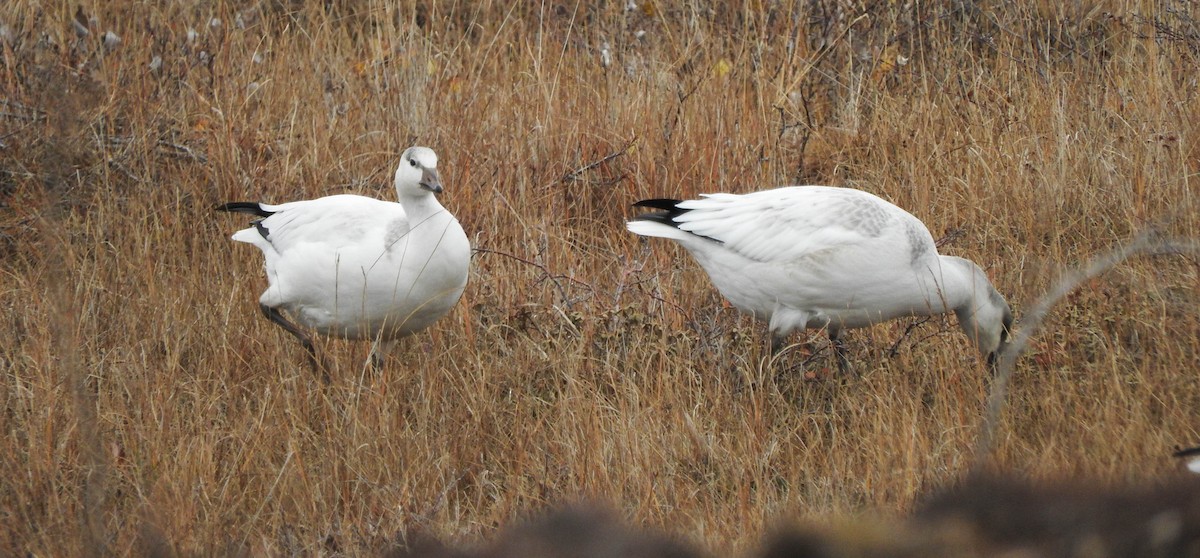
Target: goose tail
x=659 y=223
x=258 y=232
x=668 y=210
x=662 y=223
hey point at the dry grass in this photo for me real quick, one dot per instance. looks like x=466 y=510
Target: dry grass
x=149 y=407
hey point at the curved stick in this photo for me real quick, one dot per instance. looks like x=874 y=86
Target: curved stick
x=1147 y=243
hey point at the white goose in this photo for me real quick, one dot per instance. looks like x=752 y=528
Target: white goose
x=824 y=257
x=360 y=268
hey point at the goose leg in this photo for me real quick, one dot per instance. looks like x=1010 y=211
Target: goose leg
x=993 y=363
x=276 y=316
x=839 y=351
x=379 y=350
x=778 y=342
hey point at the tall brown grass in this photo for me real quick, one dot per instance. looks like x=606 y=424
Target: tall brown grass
x=149 y=407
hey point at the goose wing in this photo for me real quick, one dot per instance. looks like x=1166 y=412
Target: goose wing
x=333 y=220
x=788 y=223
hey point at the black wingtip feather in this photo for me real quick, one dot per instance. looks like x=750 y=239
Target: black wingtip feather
x=244 y=207
x=1189 y=452
x=665 y=204
x=669 y=211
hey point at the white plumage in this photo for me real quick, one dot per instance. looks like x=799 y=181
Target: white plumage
x=361 y=268
x=823 y=257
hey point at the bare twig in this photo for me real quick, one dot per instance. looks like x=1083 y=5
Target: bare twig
x=17 y=174
x=654 y=292
x=575 y=173
x=950 y=237
x=124 y=170
x=1148 y=243
x=24 y=117
x=663 y=300
x=182 y=151
x=916 y=322
x=167 y=147
x=562 y=291
x=629 y=268
x=24 y=112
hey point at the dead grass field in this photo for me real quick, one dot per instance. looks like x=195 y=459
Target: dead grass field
x=148 y=406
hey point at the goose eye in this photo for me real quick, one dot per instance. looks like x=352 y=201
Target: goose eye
x=412 y=162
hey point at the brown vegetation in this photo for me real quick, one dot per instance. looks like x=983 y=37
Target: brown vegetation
x=148 y=406
x=985 y=516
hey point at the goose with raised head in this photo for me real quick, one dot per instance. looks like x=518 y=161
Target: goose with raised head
x=356 y=267
x=821 y=257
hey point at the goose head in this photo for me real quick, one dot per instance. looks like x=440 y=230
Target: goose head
x=984 y=315
x=417 y=174
x=993 y=324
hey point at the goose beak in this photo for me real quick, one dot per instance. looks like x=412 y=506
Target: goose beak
x=431 y=180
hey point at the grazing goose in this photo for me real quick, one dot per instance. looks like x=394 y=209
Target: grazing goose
x=360 y=268
x=824 y=257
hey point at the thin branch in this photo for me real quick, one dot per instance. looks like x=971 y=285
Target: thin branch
x=164 y=146
x=124 y=170
x=913 y=324
x=545 y=270
x=182 y=151
x=950 y=237
x=654 y=292
x=575 y=173
x=627 y=269
x=24 y=117
x=26 y=112
x=1146 y=244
